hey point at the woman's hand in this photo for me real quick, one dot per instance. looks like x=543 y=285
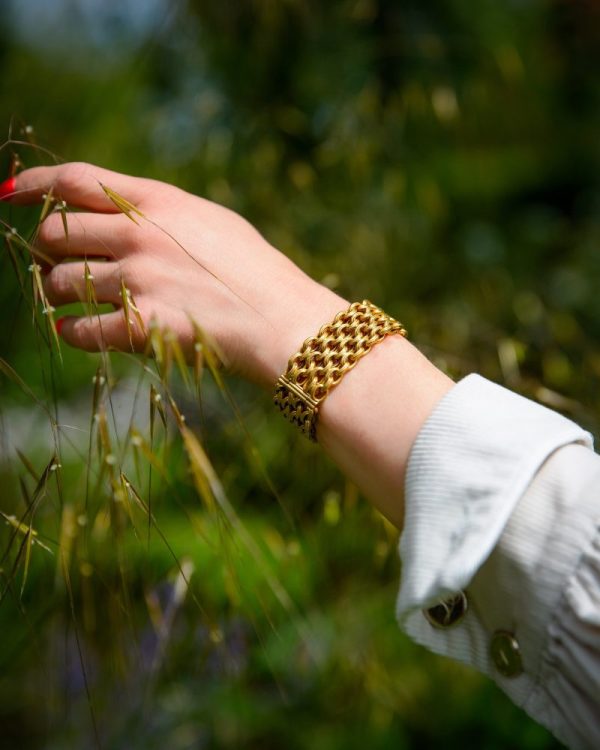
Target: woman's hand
x=186 y=259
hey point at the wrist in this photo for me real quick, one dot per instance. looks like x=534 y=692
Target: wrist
x=369 y=422
x=300 y=309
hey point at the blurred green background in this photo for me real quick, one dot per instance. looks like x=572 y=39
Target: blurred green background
x=439 y=158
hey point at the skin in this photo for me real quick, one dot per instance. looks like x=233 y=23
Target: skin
x=251 y=299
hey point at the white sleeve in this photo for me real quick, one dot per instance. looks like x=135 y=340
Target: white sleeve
x=503 y=504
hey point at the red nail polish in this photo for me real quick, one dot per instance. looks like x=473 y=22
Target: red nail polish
x=7 y=189
x=59 y=324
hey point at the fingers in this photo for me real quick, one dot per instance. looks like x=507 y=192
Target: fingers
x=87 y=235
x=67 y=283
x=101 y=332
x=78 y=184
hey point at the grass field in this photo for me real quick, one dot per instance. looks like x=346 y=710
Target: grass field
x=215 y=582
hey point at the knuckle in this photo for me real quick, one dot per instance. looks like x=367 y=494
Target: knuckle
x=112 y=281
x=141 y=275
x=80 y=335
x=133 y=236
x=56 y=283
x=124 y=270
x=127 y=230
x=76 y=334
x=51 y=230
x=64 y=282
x=72 y=175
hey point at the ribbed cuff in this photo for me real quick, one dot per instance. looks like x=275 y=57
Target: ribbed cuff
x=470 y=464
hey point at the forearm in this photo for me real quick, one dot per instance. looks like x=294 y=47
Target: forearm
x=370 y=421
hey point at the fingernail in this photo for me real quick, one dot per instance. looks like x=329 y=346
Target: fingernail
x=7 y=189
x=59 y=324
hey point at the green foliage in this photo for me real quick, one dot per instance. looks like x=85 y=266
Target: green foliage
x=439 y=159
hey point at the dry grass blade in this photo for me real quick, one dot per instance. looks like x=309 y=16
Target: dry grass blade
x=124 y=206
x=25 y=529
x=104 y=443
x=142 y=446
x=63 y=215
x=24 y=492
x=130 y=489
x=54 y=331
x=30 y=251
x=108 y=461
x=38 y=289
x=121 y=494
x=126 y=302
x=157 y=345
x=90 y=290
x=136 y=312
x=15 y=163
x=139 y=500
x=48 y=203
x=27 y=464
x=21 y=526
x=198 y=365
x=67 y=537
x=99 y=380
x=207 y=351
x=12 y=374
x=28 y=538
x=176 y=412
x=13 y=259
x=129 y=209
x=180 y=360
x=211 y=490
x=172 y=352
x=156 y=404
x=67 y=580
x=40 y=295
x=206 y=348
x=16 y=378
x=202 y=471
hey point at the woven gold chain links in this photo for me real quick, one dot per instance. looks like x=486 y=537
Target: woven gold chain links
x=325 y=358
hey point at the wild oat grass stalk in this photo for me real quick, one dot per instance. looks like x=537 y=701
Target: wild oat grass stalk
x=89 y=520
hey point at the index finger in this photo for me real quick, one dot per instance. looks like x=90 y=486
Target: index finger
x=77 y=183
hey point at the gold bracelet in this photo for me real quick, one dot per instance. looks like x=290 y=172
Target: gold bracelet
x=325 y=358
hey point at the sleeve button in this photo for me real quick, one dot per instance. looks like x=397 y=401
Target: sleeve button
x=448 y=612
x=506 y=654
